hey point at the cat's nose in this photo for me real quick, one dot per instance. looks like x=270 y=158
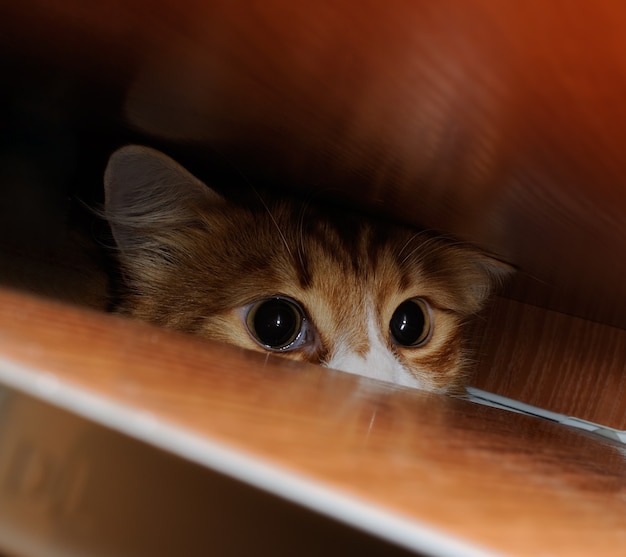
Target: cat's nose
x=377 y=364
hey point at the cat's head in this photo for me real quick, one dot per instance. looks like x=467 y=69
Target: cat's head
x=305 y=281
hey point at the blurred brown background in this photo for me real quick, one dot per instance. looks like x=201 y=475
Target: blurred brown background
x=503 y=123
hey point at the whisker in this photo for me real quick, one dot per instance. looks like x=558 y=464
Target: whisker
x=442 y=244
x=280 y=232
x=406 y=244
x=265 y=206
x=425 y=246
x=300 y=230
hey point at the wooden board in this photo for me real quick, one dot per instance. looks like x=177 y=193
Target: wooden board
x=403 y=464
x=551 y=360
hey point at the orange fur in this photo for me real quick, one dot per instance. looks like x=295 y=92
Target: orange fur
x=191 y=260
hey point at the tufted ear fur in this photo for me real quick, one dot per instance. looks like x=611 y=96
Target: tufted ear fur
x=145 y=191
x=489 y=273
x=463 y=275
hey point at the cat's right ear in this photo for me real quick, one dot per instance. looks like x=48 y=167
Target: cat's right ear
x=146 y=190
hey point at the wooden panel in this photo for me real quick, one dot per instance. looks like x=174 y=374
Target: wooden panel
x=502 y=481
x=554 y=361
x=70 y=487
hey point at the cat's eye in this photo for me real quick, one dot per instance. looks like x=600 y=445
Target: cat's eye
x=411 y=323
x=275 y=323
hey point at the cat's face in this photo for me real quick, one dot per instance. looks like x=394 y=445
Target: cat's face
x=291 y=278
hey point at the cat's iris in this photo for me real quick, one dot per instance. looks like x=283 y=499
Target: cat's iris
x=410 y=324
x=275 y=323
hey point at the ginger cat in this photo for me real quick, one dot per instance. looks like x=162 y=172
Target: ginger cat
x=303 y=281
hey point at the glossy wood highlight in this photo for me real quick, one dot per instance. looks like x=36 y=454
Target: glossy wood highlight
x=507 y=482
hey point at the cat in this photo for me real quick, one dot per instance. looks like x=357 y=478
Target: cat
x=309 y=282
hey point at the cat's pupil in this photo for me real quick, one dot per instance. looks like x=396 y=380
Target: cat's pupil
x=275 y=322
x=410 y=323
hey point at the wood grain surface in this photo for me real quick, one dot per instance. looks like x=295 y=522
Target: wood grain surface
x=502 y=481
x=551 y=360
